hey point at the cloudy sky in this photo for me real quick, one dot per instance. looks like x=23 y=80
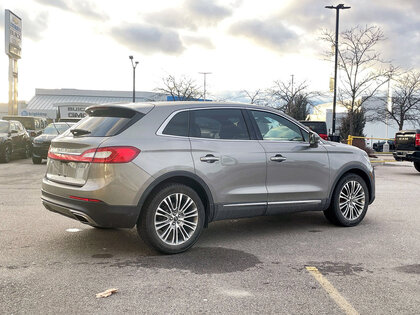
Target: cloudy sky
x=246 y=44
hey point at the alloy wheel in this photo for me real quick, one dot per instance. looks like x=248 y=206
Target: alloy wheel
x=352 y=200
x=176 y=219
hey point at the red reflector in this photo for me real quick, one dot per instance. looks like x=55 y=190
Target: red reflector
x=85 y=199
x=418 y=140
x=323 y=136
x=100 y=155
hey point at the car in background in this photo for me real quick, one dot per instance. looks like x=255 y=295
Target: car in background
x=33 y=125
x=379 y=146
x=41 y=144
x=14 y=139
x=407 y=147
x=320 y=127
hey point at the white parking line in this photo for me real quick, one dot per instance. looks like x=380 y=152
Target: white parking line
x=333 y=293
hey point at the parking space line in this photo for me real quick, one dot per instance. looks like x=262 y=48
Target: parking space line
x=332 y=292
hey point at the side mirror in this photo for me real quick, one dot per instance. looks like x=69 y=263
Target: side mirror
x=313 y=139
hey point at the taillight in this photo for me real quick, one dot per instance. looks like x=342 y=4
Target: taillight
x=417 y=139
x=100 y=155
x=323 y=136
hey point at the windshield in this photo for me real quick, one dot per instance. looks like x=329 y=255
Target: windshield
x=55 y=129
x=4 y=127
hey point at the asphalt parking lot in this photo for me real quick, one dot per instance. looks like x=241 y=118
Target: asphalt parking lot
x=288 y=264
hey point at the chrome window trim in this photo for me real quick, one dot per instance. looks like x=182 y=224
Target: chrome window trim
x=162 y=127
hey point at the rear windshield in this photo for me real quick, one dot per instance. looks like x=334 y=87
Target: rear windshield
x=55 y=129
x=317 y=126
x=105 y=122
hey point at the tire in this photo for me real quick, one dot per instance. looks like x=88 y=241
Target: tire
x=165 y=225
x=36 y=160
x=352 y=210
x=6 y=155
x=27 y=152
x=417 y=166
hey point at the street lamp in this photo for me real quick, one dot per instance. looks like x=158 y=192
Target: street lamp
x=134 y=64
x=337 y=15
x=205 y=75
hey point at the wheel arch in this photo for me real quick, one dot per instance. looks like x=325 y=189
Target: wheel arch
x=186 y=178
x=358 y=170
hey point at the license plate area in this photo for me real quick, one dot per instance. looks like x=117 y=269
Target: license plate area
x=74 y=173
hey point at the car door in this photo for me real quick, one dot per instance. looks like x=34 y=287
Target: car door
x=14 y=135
x=297 y=173
x=231 y=163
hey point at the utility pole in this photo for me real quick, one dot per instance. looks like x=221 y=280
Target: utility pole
x=337 y=18
x=134 y=65
x=204 y=75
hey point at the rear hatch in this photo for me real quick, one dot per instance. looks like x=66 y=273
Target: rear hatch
x=70 y=153
x=405 y=140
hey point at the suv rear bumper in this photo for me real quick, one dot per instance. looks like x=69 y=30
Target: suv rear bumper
x=412 y=156
x=93 y=213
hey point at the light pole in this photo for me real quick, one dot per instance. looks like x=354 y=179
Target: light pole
x=134 y=64
x=204 y=74
x=337 y=17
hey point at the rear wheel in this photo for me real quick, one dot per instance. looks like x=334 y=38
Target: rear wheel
x=36 y=160
x=6 y=154
x=172 y=219
x=417 y=166
x=350 y=201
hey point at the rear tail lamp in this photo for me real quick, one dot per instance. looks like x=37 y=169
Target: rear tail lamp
x=323 y=136
x=418 y=140
x=100 y=155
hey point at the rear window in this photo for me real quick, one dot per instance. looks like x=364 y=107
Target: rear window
x=106 y=122
x=178 y=126
x=317 y=126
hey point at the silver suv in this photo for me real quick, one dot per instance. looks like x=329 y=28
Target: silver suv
x=171 y=168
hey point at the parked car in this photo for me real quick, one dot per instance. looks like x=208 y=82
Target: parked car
x=174 y=167
x=33 y=125
x=320 y=127
x=13 y=140
x=407 y=147
x=379 y=146
x=41 y=144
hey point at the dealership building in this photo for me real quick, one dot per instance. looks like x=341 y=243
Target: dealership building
x=71 y=103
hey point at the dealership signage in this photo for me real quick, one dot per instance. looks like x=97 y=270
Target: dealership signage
x=13 y=34
x=72 y=111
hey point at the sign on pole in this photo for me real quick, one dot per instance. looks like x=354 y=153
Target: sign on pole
x=13 y=34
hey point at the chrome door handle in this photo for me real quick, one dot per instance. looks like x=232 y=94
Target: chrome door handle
x=278 y=158
x=209 y=158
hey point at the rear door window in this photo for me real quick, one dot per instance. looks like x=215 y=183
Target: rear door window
x=218 y=124
x=105 y=122
x=178 y=126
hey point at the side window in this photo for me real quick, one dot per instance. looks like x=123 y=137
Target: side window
x=178 y=126
x=13 y=126
x=218 y=124
x=19 y=126
x=274 y=127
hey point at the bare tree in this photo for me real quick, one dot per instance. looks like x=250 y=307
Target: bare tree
x=257 y=97
x=405 y=100
x=364 y=72
x=293 y=98
x=183 y=89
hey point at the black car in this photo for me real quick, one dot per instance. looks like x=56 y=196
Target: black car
x=41 y=144
x=379 y=146
x=33 y=125
x=320 y=127
x=14 y=139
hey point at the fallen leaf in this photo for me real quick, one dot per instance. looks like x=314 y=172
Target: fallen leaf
x=106 y=293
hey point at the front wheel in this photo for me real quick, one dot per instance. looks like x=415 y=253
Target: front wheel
x=172 y=219
x=417 y=166
x=349 y=202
